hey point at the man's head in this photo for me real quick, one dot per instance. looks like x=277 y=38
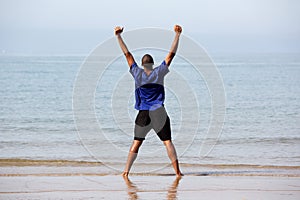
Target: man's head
x=147 y=61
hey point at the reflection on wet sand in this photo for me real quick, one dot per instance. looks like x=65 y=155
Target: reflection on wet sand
x=132 y=189
x=172 y=192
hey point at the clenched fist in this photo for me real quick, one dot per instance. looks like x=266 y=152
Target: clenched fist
x=177 y=29
x=118 y=30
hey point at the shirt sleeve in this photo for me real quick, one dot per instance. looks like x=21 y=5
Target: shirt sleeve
x=163 y=69
x=134 y=69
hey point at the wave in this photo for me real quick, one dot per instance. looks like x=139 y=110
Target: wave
x=58 y=162
x=28 y=162
x=15 y=167
x=247 y=166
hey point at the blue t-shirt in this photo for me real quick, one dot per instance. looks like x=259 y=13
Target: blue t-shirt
x=149 y=90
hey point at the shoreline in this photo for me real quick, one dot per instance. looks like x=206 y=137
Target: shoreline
x=56 y=179
x=10 y=169
x=61 y=162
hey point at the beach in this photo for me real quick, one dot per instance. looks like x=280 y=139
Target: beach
x=82 y=81
x=43 y=154
x=87 y=180
x=148 y=187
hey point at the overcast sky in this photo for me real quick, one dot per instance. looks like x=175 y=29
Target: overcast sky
x=72 y=26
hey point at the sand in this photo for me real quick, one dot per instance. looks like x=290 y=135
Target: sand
x=148 y=187
x=48 y=182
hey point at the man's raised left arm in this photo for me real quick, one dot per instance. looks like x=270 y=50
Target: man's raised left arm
x=128 y=55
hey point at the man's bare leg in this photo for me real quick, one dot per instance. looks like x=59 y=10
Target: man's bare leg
x=133 y=151
x=173 y=156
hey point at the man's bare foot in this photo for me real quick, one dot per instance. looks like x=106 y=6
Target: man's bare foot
x=125 y=173
x=179 y=175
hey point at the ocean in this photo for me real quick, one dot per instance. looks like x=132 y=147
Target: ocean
x=261 y=127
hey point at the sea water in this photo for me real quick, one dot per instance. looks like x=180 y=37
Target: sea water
x=262 y=121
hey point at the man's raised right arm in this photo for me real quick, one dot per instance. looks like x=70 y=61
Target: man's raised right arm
x=174 y=46
x=128 y=55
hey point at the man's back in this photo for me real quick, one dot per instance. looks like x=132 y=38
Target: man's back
x=149 y=89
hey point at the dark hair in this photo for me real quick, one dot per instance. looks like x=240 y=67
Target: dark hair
x=147 y=59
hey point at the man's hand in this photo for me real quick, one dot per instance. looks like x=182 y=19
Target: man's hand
x=177 y=29
x=118 y=30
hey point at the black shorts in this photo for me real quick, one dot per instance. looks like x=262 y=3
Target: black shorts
x=156 y=119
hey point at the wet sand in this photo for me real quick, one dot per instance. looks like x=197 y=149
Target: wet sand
x=149 y=187
x=89 y=181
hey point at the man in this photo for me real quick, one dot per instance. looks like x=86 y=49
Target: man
x=150 y=96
